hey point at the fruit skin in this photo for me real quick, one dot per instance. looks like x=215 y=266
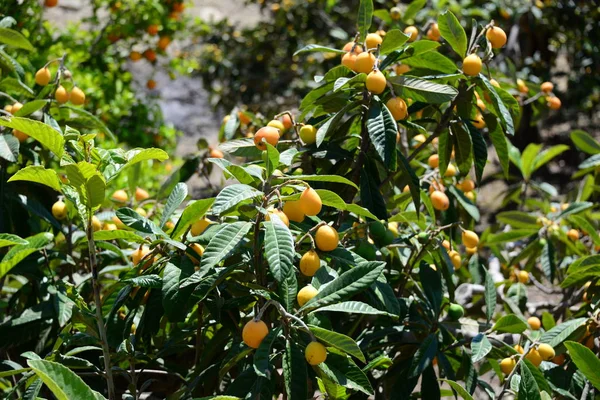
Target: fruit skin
x=455 y=312
x=135 y=56
x=554 y=103
x=164 y=42
x=270 y=134
x=470 y=238
x=573 y=234
x=275 y=123
x=215 y=153
x=372 y=40
x=496 y=36
x=433 y=161
x=151 y=84
x=315 y=353
x=50 y=3
x=523 y=276
x=254 y=332
x=397 y=107
x=534 y=323
x=293 y=210
x=348 y=47
x=507 y=365
x=150 y=55
x=455 y=258
x=310 y=263
x=305 y=294
x=327 y=238
x=439 y=200
x=534 y=357
x=546 y=351
x=152 y=29
x=472 y=65
x=376 y=82
x=287 y=121
x=364 y=62
x=547 y=87
x=310 y=202
x=559 y=359
x=308 y=134
x=519 y=348
x=434 y=32
x=120 y=196
x=59 y=210
x=479 y=122
x=284 y=218
x=61 y=95
x=96 y=224
x=349 y=60
x=413 y=32
x=467 y=185
x=141 y=194
x=199 y=226
x=395 y=13
x=43 y=76
x=450 y=171
x=77 y=96
x=377 y=229
x=138 y=254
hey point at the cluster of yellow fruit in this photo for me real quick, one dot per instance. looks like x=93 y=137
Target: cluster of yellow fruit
x=62 y=95
x=470 y=240
x=536 y=354
x=274 y=130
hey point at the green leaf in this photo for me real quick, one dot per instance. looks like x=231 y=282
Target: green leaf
x=87 y=121
x=38 y=174
x=346 y=285
x=342 y=370
x=30 y=107
x=510 y=236
x=288 y=289
x=585 y=225
x=423 y=90
x=9 y=147
x=223 y=243
x=338 y=340
x=352 y=307
x=528 y=387
x=424 y=356
x=174 y=297
x=458 y=389
x=315 y=48
x=95 y=188
x=432 y=285
x=295 y=374
x=393 y=40
x=555 y=336
x=324 y=178
x=177 y=196
x=575 y=208
x=547 y=260
x=585 y=142
x=490 y=296
x=480 y=347
x=527 y=159
x=582 y=270
x=193 y=212
x=360 y=211
x=138 y=155
x=382 y=130
x=279 y=248
x=332 y=123
x=7 y=239
x=469 y=207
x=262 y=362
x=118 y=234
x=15 y=39
x=365 y=17
x=413 y=8
x=480 y=152
x=453 y=32
x=331 y=199
x=498 y=103
x=236 y=171
x=63 y=382
x=15 y=85
x=510 y=323
x=146 y=281
x=547 y=155
x=463 y=147
x=587 y=362
x=499 y=142
x=232 y=196
x=46 y=135
x=518 y=219
x=135 y=221
x=370 y=196
x=433 y=61
x=412 y=179
x=19 y=252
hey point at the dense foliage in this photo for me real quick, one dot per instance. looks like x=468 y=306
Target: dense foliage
x=341 y=259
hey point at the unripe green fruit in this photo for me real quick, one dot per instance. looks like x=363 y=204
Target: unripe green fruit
x=388 y=238
x=366 y=250
x=423 y=237
x=377 y=229
x=455 y=311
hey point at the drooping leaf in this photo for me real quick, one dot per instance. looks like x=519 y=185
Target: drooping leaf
x=424 y=356
x=15 y=39
x=585 y=142
x=18 y=253
x=41 y=132
x=294 y=372
x=453 y=32
x=338 y=340
x=38 y=174
x=510 y=323
x=587 y=362
x=560 y=333
x=178 y=194
x=279 y=248
x=383 y=130
x=480 y=347
x=423 y=90
x=365 y=17
x=490 y=296
x=315 y=48
x=191 y=214
x=232 y=195
x=63 y=382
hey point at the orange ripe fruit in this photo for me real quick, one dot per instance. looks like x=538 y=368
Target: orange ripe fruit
x=152 y=29
x=310 y=202
x=455 y=258
x=397 y=107
x=141 y=194
x=413 y=32
x=327 y=238
x=61 y=95
x=376 y=82
x=348 y=47
x=199 y=226
x=120 y=196
x=534 y=357
x=450 y=171
x=151 y=84
x=254 y=332
x=16 y=107
x=467 y=185
x=287 y=121
x=135 y=56
x=573 y=234
x=470 y=238
x=305 y=294
x=310 y=263
x=21 y=136
x=138 y=254
x=215 y=153
x=164 y=42
x=372 y=40
x=293 y=211
x=178 y=7
x=534 y=323
x=496 y=36
x=434 y=32
x=50 y=3
x=554 y=102
x=315 y=353
x=244 y=119
x=150 y=55
x=401 y=69
x=446 y=244
x=507 y=365
x=349 y=60
x=199 y=250
x=559 y=359
x=519 y=348
x=270 y=134
x=77 y=96
x=472 y=65
x=364 y=62
x=434 y=160
x=547 y=87
x=479 y=122
x=439 y=200
x=43 y=76
x=282 y=216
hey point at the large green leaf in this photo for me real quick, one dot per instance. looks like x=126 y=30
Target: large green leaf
x=453 y=32
x=18 y=253
x=510 y=324
x=383 y=130
x=346 y=285
x=38 y=174
x=138 y=155
x=323 y=178
x=528 y=387
x=338 y=340
x=262 y=364
x=178 y=194
x=223 y=243
x=370 y=195
x=135 y=221
x=463 y=147
x=231 y=170
x=510 y=236
x=458 y=389
x=480 y=347
x=424 y=356
x=490 y=295
x=587 y=362
x=582 y=270
x=560 y=333
x=46 y=135
x=518 y=219
x=480 y=153
x=279 y=248
x=295 y=374
x=413 y=8
x=118 y=234
x=233 y=195
x=63 y=382
x=332 y=123
x=433 y=61
x=423 y=90
x=499 y=141
x=498 y=103
x=15 y=39
x=587 y=226
x=174 y=297
x=365 y=17
x=466 y=203
x=7 y=239
x=193 y=212
x=344 y=371
x=353 y=307
x=547 y=155
x=585 y=142
x=393 y=40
